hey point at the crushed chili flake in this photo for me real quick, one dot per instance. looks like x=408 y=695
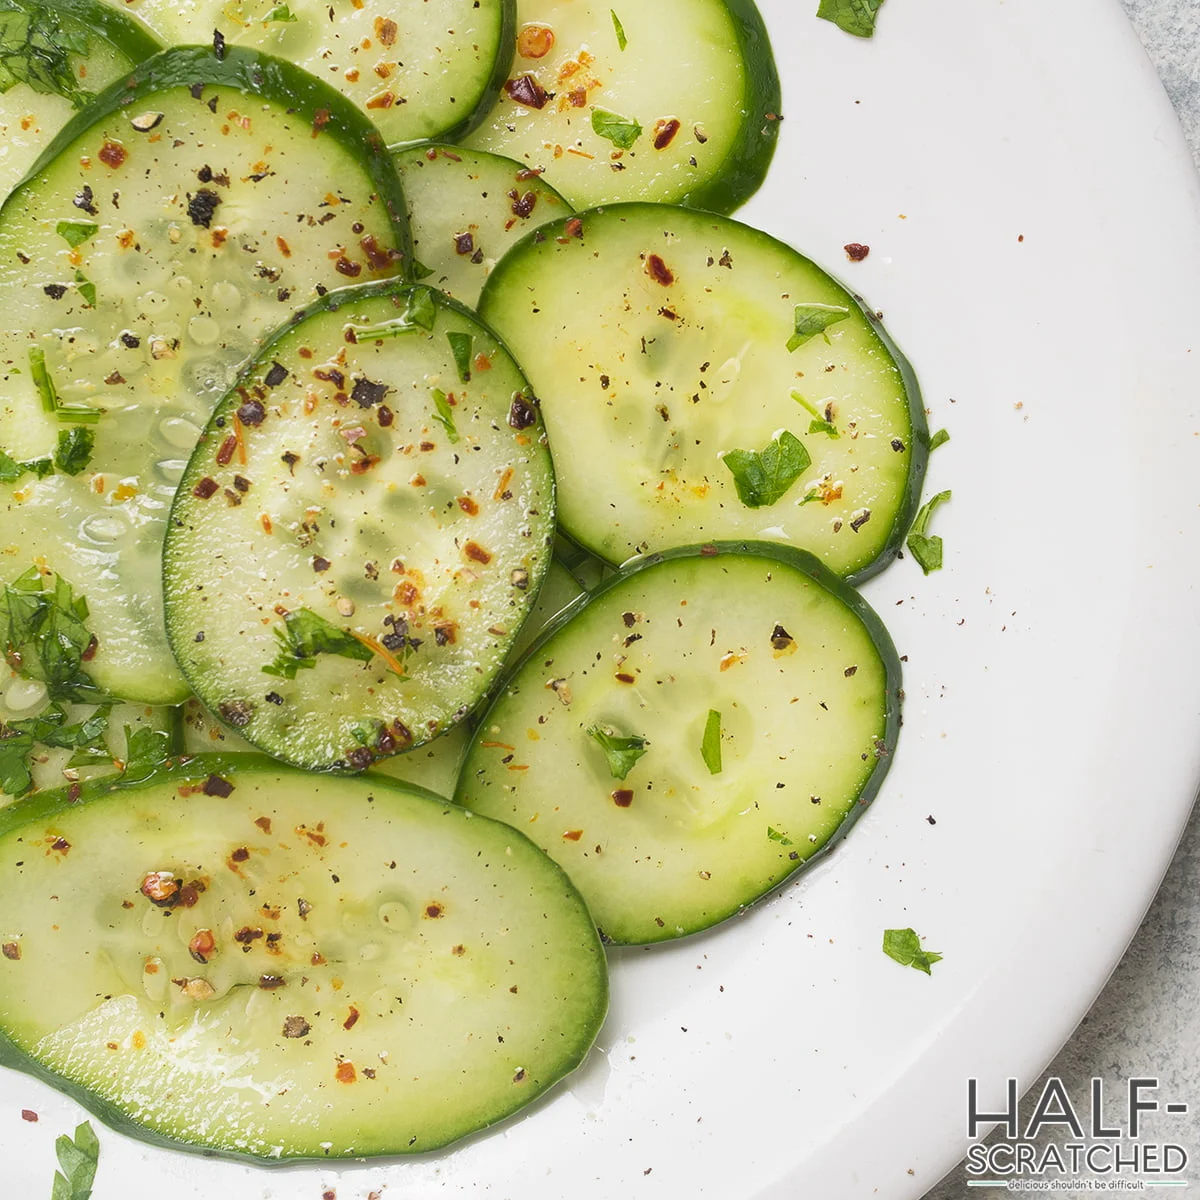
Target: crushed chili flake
x=202 y=946
x=11 y=951
x=161 y=887
x=113 y=154
x=226 y=449
x=573 y=835
x=252 y=412
x=856 y=251
x=526 y=91
x=476 y=553
x=523 y=203
x=271 y=982
x=352 y=1019
x=205 y=489
x=345 y=1072
x=522 y=412
x=665 y=130
x=464 y=243
x=214 y=785
x=535 y=41
x=622 y=797
x=659 y=271
x=27 y=1114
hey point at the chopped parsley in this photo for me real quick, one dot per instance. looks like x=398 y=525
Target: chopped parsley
x=86 y=288
x=926 y=548
x=146 y=750
x=905 y=947
x=74 y=449
x=710 y=746
x=11 y=470
x=77 y=1159
x=818 y=424
x=774 y=835
x=813 y=319
x=938 y=439
x=48 y=393
x=419 y=313
x=621 y=131
x=852 y=16
x=444 y=415
x=282 y=13
x=619 y=30
x=36 y=49
x=43 y=636
x=462 y=346
x=762 y=477
x=621 y=752
x=304 y=635
x=75 y=233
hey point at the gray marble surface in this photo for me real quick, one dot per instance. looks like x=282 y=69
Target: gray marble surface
x=1146 y=1022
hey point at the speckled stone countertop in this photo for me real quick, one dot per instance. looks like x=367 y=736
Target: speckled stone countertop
x=1146 y=1022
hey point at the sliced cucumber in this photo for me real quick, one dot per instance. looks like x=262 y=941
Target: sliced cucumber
x=53 y=60
x=466 y=208
x=661 y=341
x=694 y=732
x=171 y=226
x=361 y=531
x=418 y=68
x=284 y=965
x=677 y=100
x=435 y=765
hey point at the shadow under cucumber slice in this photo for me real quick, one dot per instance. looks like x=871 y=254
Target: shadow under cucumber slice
x=274 y=965
x=691 y=734
x=361 y=530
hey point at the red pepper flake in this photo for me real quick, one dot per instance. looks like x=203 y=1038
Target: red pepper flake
x=433 y=910
x=202 y=946
x=73 y=793
x=659 y=271
x=189 y=894
x=344 y=266
x=523 y=204
x=11 y=951
x=205 y=489
x=386 y=416
x=252 y=412
x=113 y=154
x=378 y=259
x=90 y=652
x=160 y=887
x=526 y=91
x=622 y=798
x=521 y=413
x=27 y=1114
x=214 y=785
x=468 y=506
x=665 y=130
x=625 y=677
x=385 y=31
x=856 y=251
x=573 y=835
x=345 y=1072
x=270 y=982
x=363 y=465
x=60 y=844
x=464 y=243
x=115 y=378
x=246 y=935
x=240 y=855
x=226 y=449
x=573 y=228
x=320 y=120
x=352 y=1019
x=535 y=41
x=476 y=553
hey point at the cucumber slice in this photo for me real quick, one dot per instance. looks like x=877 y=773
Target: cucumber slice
x=329 y=968
x=161 y=238
x=673 y=835
x=659 y=340
x=677 y=100
x=360 y=534
x=466 y=208
x=418 y=68
x=53 y=60
x=435 y=765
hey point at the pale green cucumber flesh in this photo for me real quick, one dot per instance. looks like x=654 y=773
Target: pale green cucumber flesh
x=804 y=683
x=199 y=232
x=426 y=533
x=417 y=68
x=466 y=208
x=435 y=765
x=657 y=339
x=341 y=968
x=92 y=44
x=687 y=90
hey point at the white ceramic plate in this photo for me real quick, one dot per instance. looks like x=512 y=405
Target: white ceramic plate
x=1032 y=217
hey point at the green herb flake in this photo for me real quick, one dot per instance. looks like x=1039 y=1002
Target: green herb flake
x=77 y=1159
x=304 y=635
x=74 y=450
x=818 y=424
x=419 y=313
x=813 y=319
x=11 y=470
x=444 y=415
x=43 y=636
x=621 y=752
x=420 y=270
x=763 y=477
x=710 y=746
x=905 y=947
x=15 y=750
x=281 y=13
x=619 y=30
x=48 y=393
x=775 y=836
x=86 y=288
x=75 y=233
x=462 y=346
x=146 y=750
x=938 y=439
x=621 y=131
x=50 y=728
x=852 y=16
x=926 y=548
x=36 y=49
